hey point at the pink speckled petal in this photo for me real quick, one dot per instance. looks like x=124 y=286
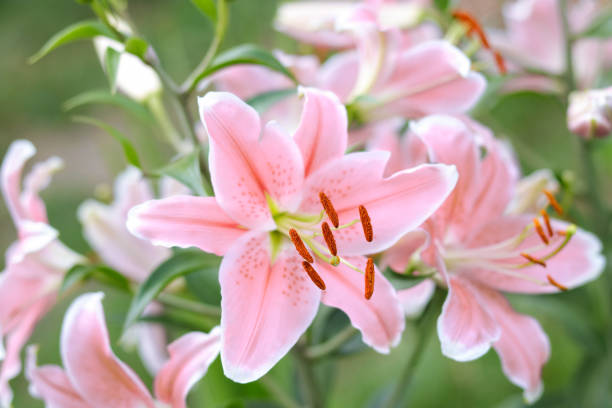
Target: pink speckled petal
x=265 y=307
x=466 y=328
x=396 y=204
x=380 y=319
x=93 y=369
x=523 y=347
x=322 y=132
x=244 y=167
x=190 y=357
x=51 y=384
x=185 y=221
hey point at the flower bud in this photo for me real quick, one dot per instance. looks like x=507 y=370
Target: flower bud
x=590 y=113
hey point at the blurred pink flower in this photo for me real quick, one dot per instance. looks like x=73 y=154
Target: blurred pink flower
x=35 y=263
x=479 y=250
x=535 y=39
x=94 y=377
x=589 y=113
x=266 y=184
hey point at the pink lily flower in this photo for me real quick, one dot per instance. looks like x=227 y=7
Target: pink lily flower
x=35 y=263
x=266 y=220
x=105 y=230
x=535 y=39
x=478 y=250
x=93 y=377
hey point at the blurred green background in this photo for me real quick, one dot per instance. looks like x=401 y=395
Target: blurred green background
x=579 y=373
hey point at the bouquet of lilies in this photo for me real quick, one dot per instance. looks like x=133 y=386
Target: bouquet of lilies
x=354 y=175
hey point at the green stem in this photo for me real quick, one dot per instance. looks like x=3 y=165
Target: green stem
x=424 y=327
x=331 y=345
x=600 y=219
x=310 y=388
x=198 y=73
x=277 y=391
x=190 y=305
x=569 y=64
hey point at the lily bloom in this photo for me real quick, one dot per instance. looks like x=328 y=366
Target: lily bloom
x=105 y=230
x=35 y=263
x=589 y=113
x=473 y=246
x=266 y=219
x=93 y=377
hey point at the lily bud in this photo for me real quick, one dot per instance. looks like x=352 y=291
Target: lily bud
x=590 y=113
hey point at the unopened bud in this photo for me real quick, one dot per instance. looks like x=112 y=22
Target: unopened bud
x=590 y=113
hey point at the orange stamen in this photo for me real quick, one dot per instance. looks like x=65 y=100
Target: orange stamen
x=299 y=245
x=553 y=202
x=369 y=278
x=547 y=222
x=540 y=230
x=366 y=223
x=329 y=209
x=474 y=26
x=500 y=62
x=533 y=259
x=562 y=233
x=556 y=284
x=329 y=239
x=313 y=275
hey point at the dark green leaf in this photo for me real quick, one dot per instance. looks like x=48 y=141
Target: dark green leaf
x=181 y=264
x=204 y=284
x=247 y=54
x=128 y=149
x=136 y=46
x=187 y=171
x=601 y=26
x=78 y=31
x=266 y=100
x=103 y=273
x=402 y=281
x=442 y=4
x=207 y=7
x=103 y=96
x=111 y=63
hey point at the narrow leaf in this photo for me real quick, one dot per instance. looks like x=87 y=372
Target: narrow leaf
x=105 y=97
x=247 y=54
x=181 y=264
x=103 y=273
x=111 y=65
x=128 y=149
x=78 y=31
x=208 y=8
x=264 y=101
x=187 y=171
x=136 y=46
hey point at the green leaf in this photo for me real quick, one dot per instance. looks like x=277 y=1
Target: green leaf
x=442 y=4
x=105 y=97
x=601 y=26
x=128 y=149
x=207 y=7
x=264 y=101
x=183 y=263
x=187 y=171
x=402 y=281
x=247 y=54
x=103 y=273
x=111 y=64
x=78 y=31
x=136 y=46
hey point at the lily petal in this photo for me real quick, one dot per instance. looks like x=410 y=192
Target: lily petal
x=184 y=221
x=51 y=384
x=322 y=132
x=266 y=306
x=380 y=319
x=466 y=328
x=190 y=357
x=18 y=153
x=396 y=205
x=93 y=369
x=244 y=168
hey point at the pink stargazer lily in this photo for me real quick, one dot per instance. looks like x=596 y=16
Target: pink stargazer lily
x=35 y=263
x=267 y=184
x=93 y=377
x=477 y=249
